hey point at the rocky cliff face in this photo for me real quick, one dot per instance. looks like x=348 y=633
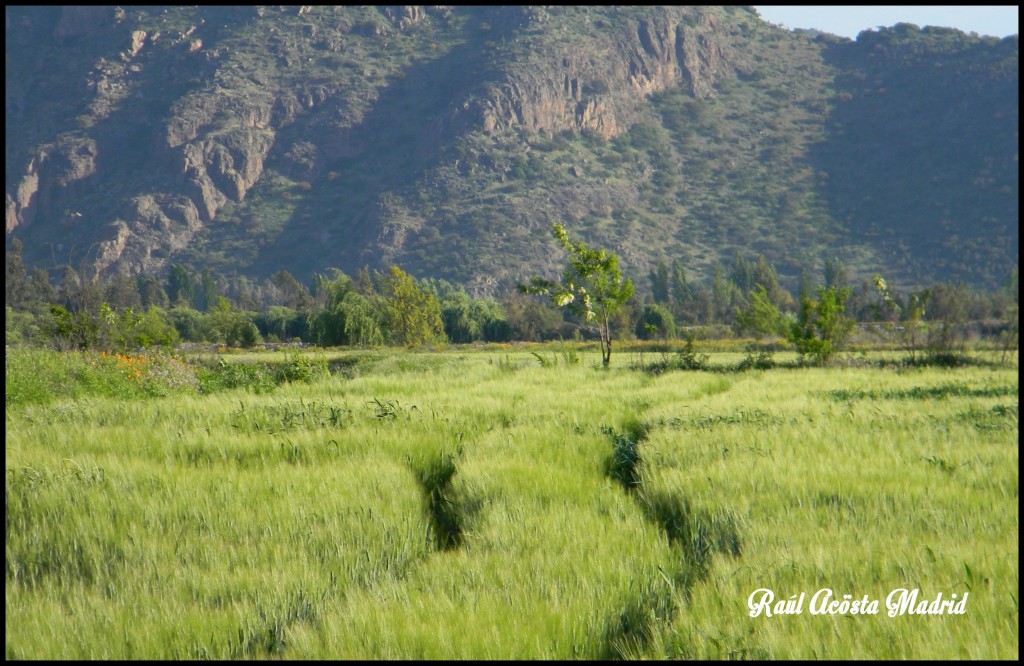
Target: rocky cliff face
x=598 y=81
x=52 y=174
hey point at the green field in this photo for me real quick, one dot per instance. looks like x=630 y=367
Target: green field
x=477 y=504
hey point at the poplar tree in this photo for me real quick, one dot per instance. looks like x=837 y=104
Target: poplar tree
x=412 y=314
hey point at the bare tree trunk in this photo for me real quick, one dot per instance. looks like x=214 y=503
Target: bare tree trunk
x=606 y=343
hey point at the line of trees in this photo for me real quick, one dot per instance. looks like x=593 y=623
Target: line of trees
x=369 y=309
x=393 y=308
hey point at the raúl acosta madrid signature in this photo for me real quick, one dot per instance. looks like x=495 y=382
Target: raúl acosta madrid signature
x=900 y=601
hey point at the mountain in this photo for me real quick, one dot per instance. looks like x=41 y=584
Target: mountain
x=446 y=139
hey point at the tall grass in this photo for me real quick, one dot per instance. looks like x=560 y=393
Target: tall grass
x=481 y=505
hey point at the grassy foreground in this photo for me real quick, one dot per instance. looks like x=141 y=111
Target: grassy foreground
x=479 y=505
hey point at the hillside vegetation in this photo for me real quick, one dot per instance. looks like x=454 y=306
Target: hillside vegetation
x=250 y=140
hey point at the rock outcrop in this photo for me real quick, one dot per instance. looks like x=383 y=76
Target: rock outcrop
x=50 y=177
x=224 y=167
x=153 y=228
x=581 y=90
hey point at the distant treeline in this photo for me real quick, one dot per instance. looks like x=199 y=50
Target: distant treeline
x=376 y=308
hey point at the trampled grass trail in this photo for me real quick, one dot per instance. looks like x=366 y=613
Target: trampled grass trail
x=480 y=505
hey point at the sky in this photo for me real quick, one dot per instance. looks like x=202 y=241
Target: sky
x=848 y=21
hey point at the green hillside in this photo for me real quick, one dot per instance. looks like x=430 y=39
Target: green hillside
x=447 y=139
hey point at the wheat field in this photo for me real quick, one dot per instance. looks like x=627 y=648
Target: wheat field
x=489 y=505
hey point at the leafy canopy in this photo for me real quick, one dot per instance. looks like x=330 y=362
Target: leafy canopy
x=592 y=286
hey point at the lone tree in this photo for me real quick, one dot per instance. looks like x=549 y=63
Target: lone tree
x=591 y=286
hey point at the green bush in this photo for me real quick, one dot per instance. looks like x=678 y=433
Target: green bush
x=302 y=368
x=247 y=335
x=21 y=327
x=223 y=375
x=155 y=329
x=757 y=359
x=656 y=323
x=107 y=329
x=821 y=328
x=688 y=359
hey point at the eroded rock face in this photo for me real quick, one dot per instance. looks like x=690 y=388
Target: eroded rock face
x=152 y=229
x=138 y=40
x=583 y=91
x=196 y=113
x=406 y=16
x=18 y=205
x=50 y=176
x=225 y=167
